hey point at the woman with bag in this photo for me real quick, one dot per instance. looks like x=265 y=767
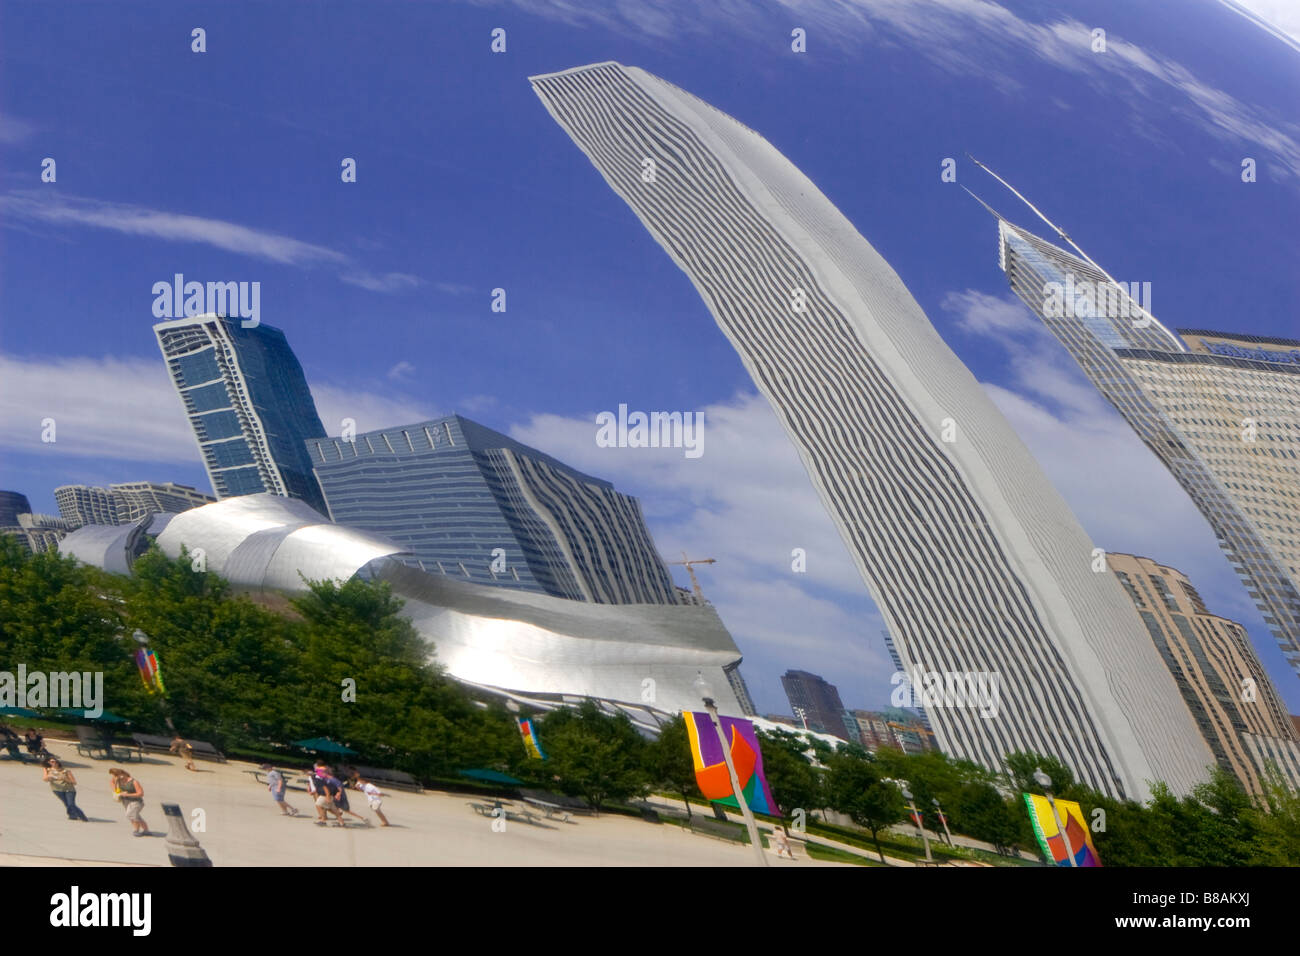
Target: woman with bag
x=64 y=785
x=128 y=790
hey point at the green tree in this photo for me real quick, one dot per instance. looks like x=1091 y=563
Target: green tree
x=979 y=810
x=669 y=762
x=1023 y=764
x=596 y=756
x=794 y=782
x=857 y=788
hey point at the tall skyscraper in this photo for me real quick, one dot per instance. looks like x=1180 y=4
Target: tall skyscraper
x=249 y=405
x=1221 y=411
x=816 y=703
x=976 y=563
x=1225 y=686
x=470 y=502
x=126 y=502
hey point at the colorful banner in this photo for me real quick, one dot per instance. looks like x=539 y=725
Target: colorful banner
x=1049 y=836
x=147 y=662
x=711 y=770
x=531 y=743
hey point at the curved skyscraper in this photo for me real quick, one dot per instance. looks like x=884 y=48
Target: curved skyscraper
x=975 y=561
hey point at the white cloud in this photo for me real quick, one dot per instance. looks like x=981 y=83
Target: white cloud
x=402 y=370
x=176 y=227
x=145 y=421
x=388 y=282
x=14 y=130
x=747 y=502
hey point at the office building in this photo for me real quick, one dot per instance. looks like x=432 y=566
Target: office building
x=13 y=504
x=469 y=502
x=974 y=560
x=37 y=533
x=816 y=703
x=1226 y=688
x=1221 y=411
x=125 y=503
x=248 y=403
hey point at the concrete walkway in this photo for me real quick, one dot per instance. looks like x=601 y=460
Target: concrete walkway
x=243 y=828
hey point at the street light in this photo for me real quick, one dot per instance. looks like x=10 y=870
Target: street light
x=1044 y=781
x=942 y=819
x=916 y=818
x=705 y=690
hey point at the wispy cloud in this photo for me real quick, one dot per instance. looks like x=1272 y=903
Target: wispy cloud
x=14 y=130
x=135 y=220
x=33 y=206
x=388 y=282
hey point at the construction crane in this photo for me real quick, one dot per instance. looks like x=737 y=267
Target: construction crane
x=688 y=564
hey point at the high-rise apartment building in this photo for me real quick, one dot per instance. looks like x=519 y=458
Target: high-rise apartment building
x=1221 y=411
x=126 y=502
x=1212 y=660
x=248 y=402
x=470 y=502
x=13 y=504
x=816 y=703
x=976 y=563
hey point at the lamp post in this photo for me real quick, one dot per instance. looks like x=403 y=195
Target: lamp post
x=916 y=818
x=942 y=819
x=1044 y=781
x=802 y=715
x=703 y=688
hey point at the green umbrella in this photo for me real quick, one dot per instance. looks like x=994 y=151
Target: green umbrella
x=489 y=776
x=18 y=712
x=107 y=716
x=323 y=745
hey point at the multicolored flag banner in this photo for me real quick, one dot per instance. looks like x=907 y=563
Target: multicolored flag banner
x=147 y=662
x=1049 y=836
x=711 y=770
x=531 y=743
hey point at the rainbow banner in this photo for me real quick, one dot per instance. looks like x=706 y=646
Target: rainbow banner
x=147 y=662
x=531 y=743
x=1049 y=836
x=711 y=770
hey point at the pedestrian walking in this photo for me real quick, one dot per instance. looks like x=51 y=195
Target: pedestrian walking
x=181 y=748
x=337 y=791
x=276 y=784
x=128 y=791
x=375 y=797
x=64 y=785
x=319 y=787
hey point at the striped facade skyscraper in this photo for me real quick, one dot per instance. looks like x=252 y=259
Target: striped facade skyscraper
x=1221 y=411
x=976 y=563
x=475 y=504
x=248 y=402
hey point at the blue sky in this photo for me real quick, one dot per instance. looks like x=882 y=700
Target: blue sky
x=225 y=165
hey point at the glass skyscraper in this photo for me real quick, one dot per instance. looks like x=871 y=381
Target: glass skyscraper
x=249 y=405
x=976 y=563
x=1221 y=411
x=472 y=503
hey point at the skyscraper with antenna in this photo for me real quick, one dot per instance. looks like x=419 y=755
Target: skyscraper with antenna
x=1221 y=410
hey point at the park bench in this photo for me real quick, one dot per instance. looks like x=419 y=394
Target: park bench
x=91 y=740
x=289 y=783
x=551 y=810
x=397 y=779
x=155 y=744
x=569 y=804
x=507 y=810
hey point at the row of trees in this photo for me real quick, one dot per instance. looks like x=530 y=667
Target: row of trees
x=340 y=662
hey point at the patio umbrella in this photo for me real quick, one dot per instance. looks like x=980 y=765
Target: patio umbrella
x=489 y=776
x=323 y=745
x=107 y=717
x=17 y=712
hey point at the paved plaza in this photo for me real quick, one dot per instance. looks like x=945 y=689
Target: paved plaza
x=243 y=828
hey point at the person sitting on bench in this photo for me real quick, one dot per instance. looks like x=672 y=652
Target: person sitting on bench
x=10 y=741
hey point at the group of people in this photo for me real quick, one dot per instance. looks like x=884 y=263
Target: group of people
x=328 y=793
x=126 y=790
x=34 y=742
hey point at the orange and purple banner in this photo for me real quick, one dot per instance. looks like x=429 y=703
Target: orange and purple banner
x=711 y=769
x=1049 y=834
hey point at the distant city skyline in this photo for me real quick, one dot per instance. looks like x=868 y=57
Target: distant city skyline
x=386 y=285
